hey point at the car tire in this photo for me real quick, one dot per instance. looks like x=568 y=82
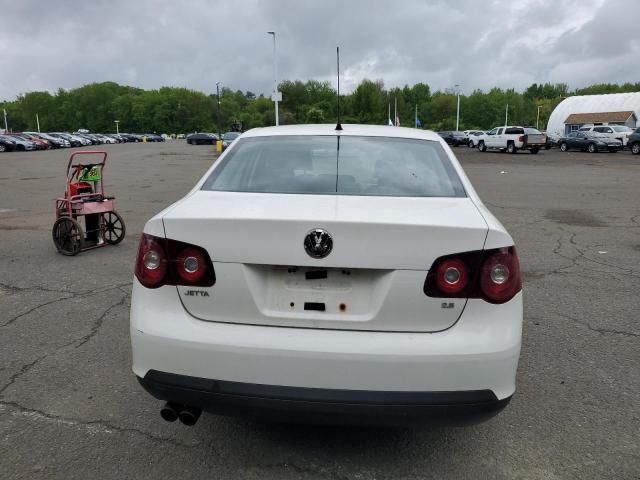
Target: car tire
x=592 y=148
x=635 y=148
x=470 y=144
x=482 y=147
x=511 y=148
x=534 y=151
x=3 y=148
x=564 y=147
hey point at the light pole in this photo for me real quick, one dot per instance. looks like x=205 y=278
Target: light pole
x=538 y=118
x=218 y=120
x=458 y=110
x=274 y=97
x=117 y=126
x=6 y=128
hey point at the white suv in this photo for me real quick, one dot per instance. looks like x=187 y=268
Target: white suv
x=614 y=132
x=329 y=275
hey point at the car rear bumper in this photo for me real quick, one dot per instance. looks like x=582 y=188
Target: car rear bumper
x=479 y=352
x=325 y=406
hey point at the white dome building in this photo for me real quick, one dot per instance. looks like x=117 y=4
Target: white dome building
x=608 y=109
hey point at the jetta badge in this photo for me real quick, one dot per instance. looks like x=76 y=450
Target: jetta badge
x=318 y=243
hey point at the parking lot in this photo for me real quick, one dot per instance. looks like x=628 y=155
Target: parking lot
x=71 y=408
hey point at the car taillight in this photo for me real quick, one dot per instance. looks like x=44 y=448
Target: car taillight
x=521 y=138
x=452 y=276
x=162 y=261
x=493 y=275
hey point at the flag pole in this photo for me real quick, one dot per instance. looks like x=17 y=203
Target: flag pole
x=416 y=122
x=38 y=122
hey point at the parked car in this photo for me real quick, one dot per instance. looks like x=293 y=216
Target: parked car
x=511 y=139
x=634 y=141
x=467 y=133
x=152 y=137
x=453 y=138
x=180 y=136
x=53 y=141
x=588 y=141
x=228 y=138
x=40 y=143
x=614 y=132
x=322 y=280
x=73 y=141
x=22 y=144
x=474 y=137
x=202 y=139
x=7 y=144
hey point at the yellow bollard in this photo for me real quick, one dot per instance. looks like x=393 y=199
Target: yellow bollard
x=219 y=146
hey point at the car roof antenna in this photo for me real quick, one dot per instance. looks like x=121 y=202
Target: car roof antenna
x=338 y=126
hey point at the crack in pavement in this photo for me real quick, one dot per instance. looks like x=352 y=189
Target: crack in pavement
x=575 y=260
x=84 y=294
x=82 y=340
x=92 y=426
x=597 y=329
x=24 y=369
x=98 y=323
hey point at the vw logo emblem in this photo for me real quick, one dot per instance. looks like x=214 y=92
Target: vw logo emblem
x=318 y=243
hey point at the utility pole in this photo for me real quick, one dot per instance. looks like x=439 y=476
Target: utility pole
x=458 y=109
x=6 y=128
x=395 y=112
x=117 y=126
x=38 y=122
x=538 y=118
x=276 y=95
x=218 y=120
x=506 y=115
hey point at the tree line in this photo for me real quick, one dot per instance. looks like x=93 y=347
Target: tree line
x=179 y=110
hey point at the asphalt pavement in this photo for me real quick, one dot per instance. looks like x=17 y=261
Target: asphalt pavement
x=71 y=408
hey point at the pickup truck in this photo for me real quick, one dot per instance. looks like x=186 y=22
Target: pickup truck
x=511 y=139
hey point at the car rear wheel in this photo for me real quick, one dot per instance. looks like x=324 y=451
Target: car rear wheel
x=564 y=147
x=482 y=147
x=635 y=148
x=470 y=144
x=511 y=148
x=2 y=148
x=591 y=148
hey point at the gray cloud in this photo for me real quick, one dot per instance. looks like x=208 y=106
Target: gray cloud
x=48 y=45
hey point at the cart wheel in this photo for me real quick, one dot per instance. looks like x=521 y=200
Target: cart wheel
x=114 y=228
x=68 y=236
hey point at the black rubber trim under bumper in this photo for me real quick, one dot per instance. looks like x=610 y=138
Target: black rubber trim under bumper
x=328 y=406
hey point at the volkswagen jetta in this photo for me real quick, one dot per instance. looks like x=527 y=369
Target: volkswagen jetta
x=329 y=275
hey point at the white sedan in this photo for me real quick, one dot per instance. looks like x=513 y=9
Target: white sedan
x=329 y=275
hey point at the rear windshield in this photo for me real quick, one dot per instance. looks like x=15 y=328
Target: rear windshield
x=514 y=131
x=330 y=165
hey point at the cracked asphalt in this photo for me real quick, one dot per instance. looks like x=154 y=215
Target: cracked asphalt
x=71 y=408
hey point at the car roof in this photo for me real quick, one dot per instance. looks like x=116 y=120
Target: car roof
x=347 y=130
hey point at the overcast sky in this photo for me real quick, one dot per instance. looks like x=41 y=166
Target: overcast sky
x=45 y=45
